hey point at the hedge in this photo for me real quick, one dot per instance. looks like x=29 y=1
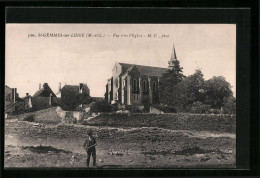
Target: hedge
x=175 y=121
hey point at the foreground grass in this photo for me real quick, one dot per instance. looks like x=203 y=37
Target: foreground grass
x=29 y=145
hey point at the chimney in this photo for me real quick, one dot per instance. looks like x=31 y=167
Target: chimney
x=44 y=85
x=80 y=87
x=59 y=86
x=15 y=92
x=50 y=100
x=40 y=86
x=13 y=98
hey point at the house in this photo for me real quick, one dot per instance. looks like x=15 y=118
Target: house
x=13 y=103
x=44 y=98
x=74 y=96
x=130 y=83
x=27 y=101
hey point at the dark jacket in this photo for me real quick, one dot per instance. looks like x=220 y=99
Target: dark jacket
x=89 y=143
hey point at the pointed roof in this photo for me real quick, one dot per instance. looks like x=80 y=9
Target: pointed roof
x=45 y=91
x=173 y=56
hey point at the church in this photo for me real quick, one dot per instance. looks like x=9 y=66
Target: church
x=130 y=83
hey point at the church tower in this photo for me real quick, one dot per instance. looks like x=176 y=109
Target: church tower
x=173 y=58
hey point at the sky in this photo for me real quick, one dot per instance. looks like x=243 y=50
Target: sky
x=86 y=53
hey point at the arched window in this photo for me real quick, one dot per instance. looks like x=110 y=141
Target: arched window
x=135 y=85
x=144 y=85
x=116 y=82
x=154 y=86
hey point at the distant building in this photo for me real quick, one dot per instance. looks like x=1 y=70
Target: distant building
x=13 y=103
x=130 y=83
x=44 y=98
x=74 y=96
x=27 y=101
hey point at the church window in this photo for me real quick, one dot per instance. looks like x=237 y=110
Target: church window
x=135 y=84
x=144 y=85
x=116 y=82
x=154 y=86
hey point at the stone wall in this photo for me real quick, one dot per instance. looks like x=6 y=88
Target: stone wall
x=70 y=116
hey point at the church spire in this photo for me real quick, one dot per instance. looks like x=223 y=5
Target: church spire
x=173 y=58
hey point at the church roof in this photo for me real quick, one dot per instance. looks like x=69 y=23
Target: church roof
x=174 y=55
x=144 y=70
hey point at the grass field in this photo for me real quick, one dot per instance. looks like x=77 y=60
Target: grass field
x=122 y=143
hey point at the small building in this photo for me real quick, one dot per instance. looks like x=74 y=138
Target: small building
x=44 y=98
x=74 y=96
x=13 y=103
x=27 y=101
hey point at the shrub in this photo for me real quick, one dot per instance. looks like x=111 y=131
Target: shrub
x=146 y=102
x=200 y=108
x=229 y=105
x=166 y=109
x=174 y=121
x=100 y=106
x=134 y=109
x=29 y=118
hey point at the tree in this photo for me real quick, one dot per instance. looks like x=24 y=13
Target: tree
x=199 y=108
x=191 y=89
x=168 y=83
x=216 y=89
x=230 y=105
x=174 y=75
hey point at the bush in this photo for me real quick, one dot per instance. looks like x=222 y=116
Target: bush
x=174 y=121
x=229 y=105
x=100 y=106
x=134 y=109
x=29 y=118
x=166 y=109
x=200 y=108
x=146 y=102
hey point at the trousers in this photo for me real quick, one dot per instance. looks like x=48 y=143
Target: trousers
x=93 y=153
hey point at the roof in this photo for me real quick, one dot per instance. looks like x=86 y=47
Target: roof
x=19 y=99
x=173 y=56
x=7 y=87
x=144 y=70
x=26 y=97
x=45 y=91
x=74 y=88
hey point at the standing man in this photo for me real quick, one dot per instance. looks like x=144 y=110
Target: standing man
x=89 y=145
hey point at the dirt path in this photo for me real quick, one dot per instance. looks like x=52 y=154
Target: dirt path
x=32 y=145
